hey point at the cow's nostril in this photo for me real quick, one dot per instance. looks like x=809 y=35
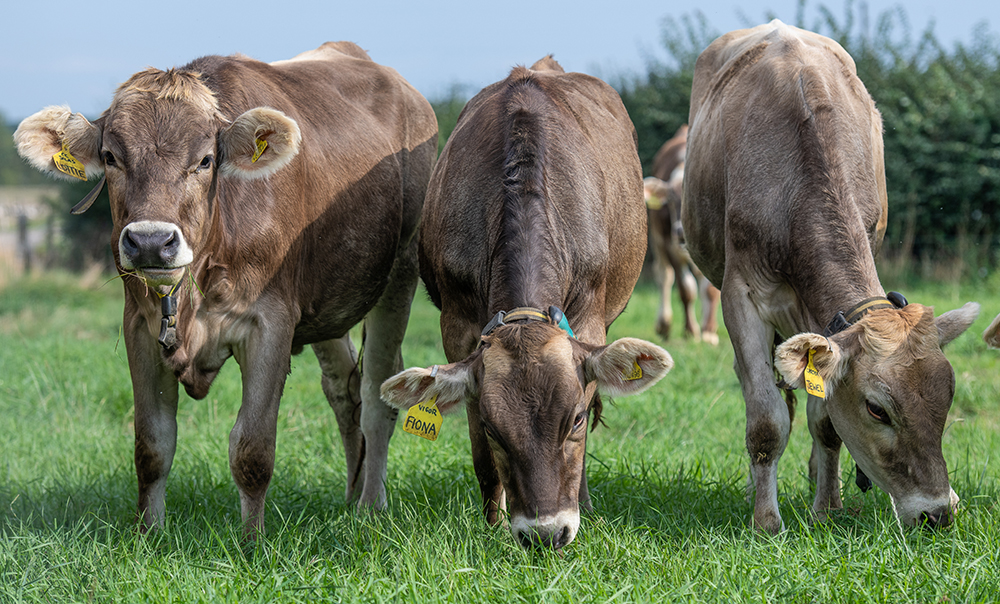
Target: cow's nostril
x=561 y=538
x=933 y=520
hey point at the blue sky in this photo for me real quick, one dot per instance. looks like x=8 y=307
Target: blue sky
x=55 y=52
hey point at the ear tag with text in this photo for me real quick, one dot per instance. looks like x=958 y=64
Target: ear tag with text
x=635 y=374
x=261 y=145
x=67 y=164
x=424 y=419
x=814 y=381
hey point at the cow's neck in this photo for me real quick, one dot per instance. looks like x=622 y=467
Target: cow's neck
x=841 y=273
x=530 y=261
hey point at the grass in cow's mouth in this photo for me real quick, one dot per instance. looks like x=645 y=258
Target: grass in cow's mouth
x=667 y=477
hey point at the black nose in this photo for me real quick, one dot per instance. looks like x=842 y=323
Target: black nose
x=939 y=518
x=151 y=249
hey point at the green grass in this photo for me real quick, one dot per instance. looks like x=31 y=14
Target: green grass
x=667 y=475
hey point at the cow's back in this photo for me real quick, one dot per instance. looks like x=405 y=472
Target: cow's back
x=592 y=185
x=777 y=111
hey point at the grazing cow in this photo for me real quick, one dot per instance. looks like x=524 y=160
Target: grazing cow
x=269 y=206
x=533 y=231
x=663 y=191
x=786 y=209
x=992 y=334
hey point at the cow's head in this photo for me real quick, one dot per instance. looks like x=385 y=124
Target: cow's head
x=535 y=387
x=162 y=145
x=888 y=391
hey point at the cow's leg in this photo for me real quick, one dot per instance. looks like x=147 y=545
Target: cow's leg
x=265 y=360
x=709 y=295
x=341 y=384
x=664 y=274
x=584 y=496
x=385 y=327
x=154 y=388
x=825 y=457
x=767 y=414
x=687 y=287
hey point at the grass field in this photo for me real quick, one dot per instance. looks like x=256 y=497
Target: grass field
x=667 y=475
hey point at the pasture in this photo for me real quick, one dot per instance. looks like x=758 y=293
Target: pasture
x=666 y=472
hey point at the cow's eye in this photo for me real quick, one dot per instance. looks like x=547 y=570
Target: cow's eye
x=581 y=419
x=206 y=163
x=876 y=411
x=109 y=159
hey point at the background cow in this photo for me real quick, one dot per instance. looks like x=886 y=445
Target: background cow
x=663 y=192
x=534 y=210
x=785 y=210
x=270 y=206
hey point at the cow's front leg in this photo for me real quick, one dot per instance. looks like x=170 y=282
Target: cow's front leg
x=264 y=363
x=338 y=362
x=385 y=327
x=768 y=422
x=487 y=475
x=154 y=389
x=825 y=458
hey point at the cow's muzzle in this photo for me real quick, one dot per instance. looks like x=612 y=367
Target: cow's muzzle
x=546 y=532
x=156 y=250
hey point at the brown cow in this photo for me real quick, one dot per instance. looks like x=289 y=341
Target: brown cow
x=786 y=209
x=270 y=206
x=663 y=191
x=535 y=205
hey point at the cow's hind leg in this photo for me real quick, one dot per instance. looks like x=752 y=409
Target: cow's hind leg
x=768 y=421
x=338 y=361
x=385 y=326
x=709 y=295
x=664 y=274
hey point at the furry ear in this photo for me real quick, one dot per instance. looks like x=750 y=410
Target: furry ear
x=452 y=384
x=627 y=366
x=41 y=136
x=953 y=323
x=259 y=143
x=792 y=355
x=992 y=334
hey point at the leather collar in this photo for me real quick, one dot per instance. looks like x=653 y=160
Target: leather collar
x=842 y=320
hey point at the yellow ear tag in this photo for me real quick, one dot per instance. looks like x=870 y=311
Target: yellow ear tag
x=424 y=419
x=67 y=164
x=261 y=145
x=654 y=202
x=635 y=374
x=814 y=381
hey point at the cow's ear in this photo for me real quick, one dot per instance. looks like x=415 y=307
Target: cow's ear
x=992 y=334
x=792 y=356
x=57 y=131
x=452 y=384
x=259 y=143
x=953 y=323
x=627 y=366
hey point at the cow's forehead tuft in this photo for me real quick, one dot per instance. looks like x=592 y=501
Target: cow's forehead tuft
x=174 y=85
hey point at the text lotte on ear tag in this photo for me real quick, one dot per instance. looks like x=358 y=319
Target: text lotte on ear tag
x=635 y=374
x=814 y=381
x=67 y=164
x=424 y=419
x=260 y=144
